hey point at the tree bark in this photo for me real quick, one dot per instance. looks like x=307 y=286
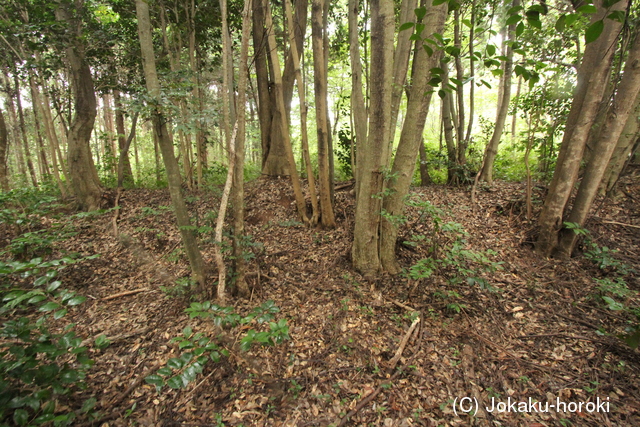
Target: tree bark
x=23 y=132
x=238 y=177
x=486 y=174
x=375 y=154
x=4 y=144
x=125 y=174
x=166 y=145
x=322 y=111
x=592 y=79
x=620 y=156
x=280 y=116
x=419 y=99
x=613 y=126
x=358 y=106
x=85 y=183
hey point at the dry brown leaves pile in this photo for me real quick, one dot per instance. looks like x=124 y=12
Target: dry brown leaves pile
x=534 y=338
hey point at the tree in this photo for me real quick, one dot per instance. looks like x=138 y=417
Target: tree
x=419 y=99
x=85 y=183
x=486 y=174
x=374 y=156
x=319 y=11
x=4 y=176
x=592 y=79
x=166 y=145
x=619 y=112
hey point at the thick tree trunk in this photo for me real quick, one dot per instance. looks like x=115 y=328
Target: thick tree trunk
x=486 y=174
x=410 y=140
x=613 y=126
x=592 y=79
x=322 y=111
x=375 y=154
x=85 y=183
x=166 y=145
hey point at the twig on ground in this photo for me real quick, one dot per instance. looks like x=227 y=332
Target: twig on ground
x=394 y=361
x=124 y=294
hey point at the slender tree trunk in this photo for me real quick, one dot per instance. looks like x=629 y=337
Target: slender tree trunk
x=280 y=115
x=375 y=157
x=85 y=183
x=410 y=140
x=125 y=174
x=166 y=145
x=486 y=174
x=23 y=132
x=4 y=145
x=303 y=117
x=238 y=176
x=592 y=79
x=401 y=64
x=50 y=132
x=613 y=126
x=358 y=107
x=620 y=156
x=322 y=111
x=15 y=130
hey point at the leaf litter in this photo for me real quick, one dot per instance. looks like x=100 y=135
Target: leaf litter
x=354 y=358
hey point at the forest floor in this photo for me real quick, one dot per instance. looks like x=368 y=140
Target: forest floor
x=400 y=351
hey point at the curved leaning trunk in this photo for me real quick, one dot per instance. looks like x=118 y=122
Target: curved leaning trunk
x=83 y=175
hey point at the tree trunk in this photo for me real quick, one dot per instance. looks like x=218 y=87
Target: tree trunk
x=613 y=126
x=85 y=183
x=375 y=154
x=486 y=174
x=238 y=177
x=23 y=132
x=620 y=156
x=303 y=118
x=280 y=116
x=166 y=145
x=358 y=108
x=322 y=111
x=50 y=132
x=419 y=99
x=592 y=79
x=4 y=175
x=125 y=174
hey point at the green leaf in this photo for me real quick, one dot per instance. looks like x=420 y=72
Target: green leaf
x=438 y=2
x=176 y=382
x=587 y=9
x=520 y=29
x=491 y=49
x=617 y=15
x=406 y=26
x=420 y=12
x=594 y=31
x=76 y=300
x=513 y=19
x=561 y=22
x=50 y=306
x=53 y=286
x=20 y=417
x=102 y=341
x=60 y=314
x=187 y=332
x=165 y=371
x=175 y=363
x=155 y=380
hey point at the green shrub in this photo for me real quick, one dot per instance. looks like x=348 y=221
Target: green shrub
x=38 y=368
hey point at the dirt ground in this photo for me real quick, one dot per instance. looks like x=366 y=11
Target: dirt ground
x=537 y=331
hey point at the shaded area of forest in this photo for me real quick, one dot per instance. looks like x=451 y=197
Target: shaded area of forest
x=533 y=328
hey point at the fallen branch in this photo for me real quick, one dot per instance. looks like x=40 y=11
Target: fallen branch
x=394 y=361
x=124 y=294
x=621 y=223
